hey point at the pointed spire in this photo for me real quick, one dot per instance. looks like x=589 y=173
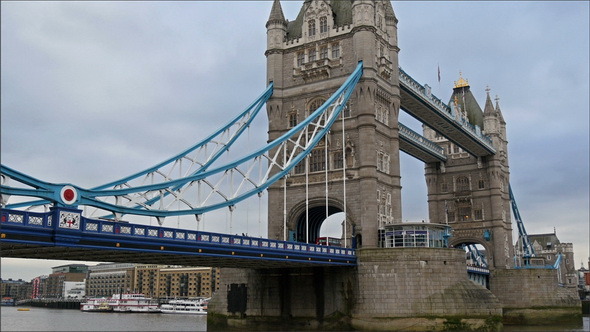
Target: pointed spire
x=489 y=107
x=276 y=14
x=498 y=111
x=389 y=13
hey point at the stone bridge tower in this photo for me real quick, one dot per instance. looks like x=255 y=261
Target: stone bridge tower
x=471 y=193
x=308 y=59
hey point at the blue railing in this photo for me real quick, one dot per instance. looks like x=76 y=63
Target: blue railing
x=65 y=220
x=442 y=108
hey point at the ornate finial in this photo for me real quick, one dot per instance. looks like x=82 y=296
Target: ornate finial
x=461 y=82
x=497 y=99
x=488 y=89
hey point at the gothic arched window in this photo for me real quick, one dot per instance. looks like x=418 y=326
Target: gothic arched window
x=462 y=183
x=314 y=105
x=323 y=24
x=311 y=28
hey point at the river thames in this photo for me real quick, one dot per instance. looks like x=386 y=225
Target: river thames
x=44 y=319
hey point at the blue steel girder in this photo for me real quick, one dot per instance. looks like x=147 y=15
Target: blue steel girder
x=437 y=115
x=64 y=233
x=419 y=146
x=280 y=156
x=195 y=159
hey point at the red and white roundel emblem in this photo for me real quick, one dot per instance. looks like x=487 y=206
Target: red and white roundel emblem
x=69 y=195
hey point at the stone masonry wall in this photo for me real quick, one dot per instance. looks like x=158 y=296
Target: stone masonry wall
x=413 y=282
x=527 y=288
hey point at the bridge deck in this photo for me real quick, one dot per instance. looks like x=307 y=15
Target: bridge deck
x=59 y=235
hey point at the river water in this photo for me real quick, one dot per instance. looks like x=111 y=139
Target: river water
x=44 y=319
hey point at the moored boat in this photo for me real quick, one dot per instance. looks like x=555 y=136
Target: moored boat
x=187 y=307
x=96 y=305
x=137 y=303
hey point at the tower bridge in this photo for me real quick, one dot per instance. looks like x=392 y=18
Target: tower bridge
x=333 y=97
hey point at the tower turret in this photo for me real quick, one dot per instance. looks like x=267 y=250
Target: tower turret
x=276 y=32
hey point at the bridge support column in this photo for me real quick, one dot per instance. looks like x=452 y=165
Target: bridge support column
x=317 y=298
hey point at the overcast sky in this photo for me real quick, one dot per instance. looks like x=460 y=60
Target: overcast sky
x=94 y=91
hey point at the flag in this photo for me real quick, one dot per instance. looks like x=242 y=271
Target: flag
x=438 y=73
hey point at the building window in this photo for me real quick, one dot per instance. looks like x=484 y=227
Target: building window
x=481 y=184
x=451 y=215
x=464 y=212
x=324 y=52
x=317 y=161
x=312 y=55
x=323 y=24
x=300 y=58
x=478 y=214
x=381 y=114
x=346 y=110
x=311 y=28
x=444 y=187
x=462 y=184
x=383 y=160
x=335 y=51
x=292 y=119
x=300 y=168
x=338 y=160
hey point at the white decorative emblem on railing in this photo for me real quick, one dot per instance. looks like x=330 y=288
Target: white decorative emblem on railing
x=192 y=236
x=125 y=230
x=180 y=235
x=169 y=234
x=152 y=232
x=139 y=231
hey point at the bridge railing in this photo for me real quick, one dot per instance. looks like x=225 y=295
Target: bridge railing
x=49 y=220
x=441 y=107
x=419 y=139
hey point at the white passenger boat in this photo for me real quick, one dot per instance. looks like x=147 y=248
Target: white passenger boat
x=96 y=305
x=186 y=307
x=133 y=303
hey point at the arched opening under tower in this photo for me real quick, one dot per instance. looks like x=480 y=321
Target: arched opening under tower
x=477 y=261
x=309 y=226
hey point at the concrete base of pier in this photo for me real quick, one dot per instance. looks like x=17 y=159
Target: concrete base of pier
x=420 y=289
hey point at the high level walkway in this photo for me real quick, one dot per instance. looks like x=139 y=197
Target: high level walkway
x=417 y=101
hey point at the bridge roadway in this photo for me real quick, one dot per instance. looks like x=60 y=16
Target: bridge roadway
x=64 y=234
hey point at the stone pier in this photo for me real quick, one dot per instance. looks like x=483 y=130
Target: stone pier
x=391 y=289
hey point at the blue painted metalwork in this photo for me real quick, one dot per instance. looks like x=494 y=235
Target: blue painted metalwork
x=527 y=247
x=434 y=103
x=479 y=259
x=300 y=141
x=241 y=121
x=66 y=227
